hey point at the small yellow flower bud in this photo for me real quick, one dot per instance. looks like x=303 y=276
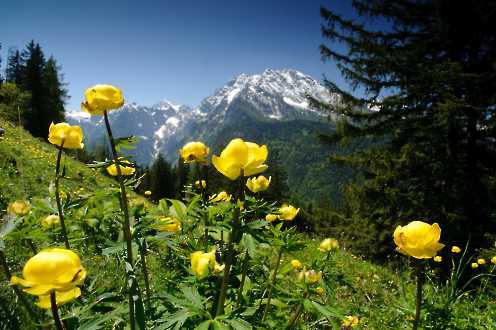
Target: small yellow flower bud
x=271 y=217
x=455 y=249
x=148 y=193
x=350 y=321
x=474 y=265
x=493 y=260
x=329 y=244
x=438 y=258
x=296 y=264
x=220 y=197
x=18 y=208
x=481 y=261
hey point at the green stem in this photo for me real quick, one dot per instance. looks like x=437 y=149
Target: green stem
x=22 y=299
x=55 y=311
x=243 y=278
x=233 y=237
x=420 y=282
x=57 y=199
x=144 y=269
x=126 y=225
x=297 y=313
x=272 y=284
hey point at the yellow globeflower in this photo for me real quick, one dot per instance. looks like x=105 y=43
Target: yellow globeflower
x=203 y=263
x=65 y=136
x=288 y=212
x=320 y=291
x=201 y=184
x=350 y=321
x=481 y=261
x=240 y=156
x=259 y=183
x=50 y=221
x=296 y=264
x=311 y=276
x=50 y=270
x=125 y=170
x=18 y=208
x=438 y=258
x=493 y=260
x=418 y=239
x=271 y=217
x=169 y=224
x=220 y=197
x=100 y=98
x=474 y=265
x=194 y=151
x=148 y=193
x=328 y=245
x=455 y=249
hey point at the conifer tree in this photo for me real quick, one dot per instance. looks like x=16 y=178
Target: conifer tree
x=427 y=69
x=161 y=181
x=13 y=72
x=55 y=93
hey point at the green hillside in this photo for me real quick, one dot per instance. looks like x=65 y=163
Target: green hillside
x=381 y=297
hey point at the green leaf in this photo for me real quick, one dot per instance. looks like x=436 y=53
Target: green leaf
x=204 y=325
x=238 y=324
x=178 y=209
x=193 y=296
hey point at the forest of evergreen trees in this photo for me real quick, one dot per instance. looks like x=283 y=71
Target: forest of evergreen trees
x=32 y=92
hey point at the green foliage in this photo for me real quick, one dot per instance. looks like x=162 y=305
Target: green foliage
x=429 y=77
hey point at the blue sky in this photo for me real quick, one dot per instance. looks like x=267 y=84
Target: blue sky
x=178 y=50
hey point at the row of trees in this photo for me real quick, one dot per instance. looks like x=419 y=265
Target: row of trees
x=428 y=69
x=32 y=91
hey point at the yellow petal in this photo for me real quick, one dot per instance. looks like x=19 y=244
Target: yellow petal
x=60 y=298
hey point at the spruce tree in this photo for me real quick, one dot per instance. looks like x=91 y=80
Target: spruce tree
x=424 y=82
x=161 y=181
x=55 y=93
x=13 y=72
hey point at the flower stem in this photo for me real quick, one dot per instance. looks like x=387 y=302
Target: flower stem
x=233 y=237
x=18 y=292
x=126 y=225
x=297 y=313
x=55 y=311
x=57 y=198
x=246 y=262
x=420 y=282
x=272 y=284
x=144 y=269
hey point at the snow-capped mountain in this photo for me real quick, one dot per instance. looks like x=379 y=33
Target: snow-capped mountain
x=273 y=96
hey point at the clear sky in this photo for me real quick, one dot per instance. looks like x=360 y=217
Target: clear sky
x=169 y=49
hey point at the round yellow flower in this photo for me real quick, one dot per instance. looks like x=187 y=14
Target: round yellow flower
x=203 y=263
x=18 y=208
x=50 y=270
x=481 y=261
x=220 y=197
x=474 y=265
x=50 y=221
x=65 y=136
x=493 y=260
x=241 y=156
x=271 y=217
x=101 y=98
x=194 y=151
x=288 y=212
x=438 y=258
x=125 y=170
x=350 y=321
x=328 y=245
x=320 y=291
x=169 y=224
x=311 y=276
x=455 y=249
x=295 y=264
x=201 y=184
x=148 y=193
x=418 y=239
x=259 y=183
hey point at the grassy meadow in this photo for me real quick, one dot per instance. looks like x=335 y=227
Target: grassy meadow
x=330 y=289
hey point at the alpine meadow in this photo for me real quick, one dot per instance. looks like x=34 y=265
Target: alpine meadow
x=362 y=200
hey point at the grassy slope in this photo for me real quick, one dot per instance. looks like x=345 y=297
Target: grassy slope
x=380 y=297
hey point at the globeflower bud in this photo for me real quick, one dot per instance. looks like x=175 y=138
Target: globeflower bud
x=438 y=258
x=455 y=249
x=148 y=193
x=271 y=217
x=168 y=224
x=203 y=263
x=481 y=261
x=220 y=197
x=50 y=221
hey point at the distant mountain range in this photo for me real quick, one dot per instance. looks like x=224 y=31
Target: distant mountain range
x=270 y=108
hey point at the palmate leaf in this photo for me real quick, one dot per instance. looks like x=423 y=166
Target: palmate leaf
x=238 y=324
x=176 y=320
